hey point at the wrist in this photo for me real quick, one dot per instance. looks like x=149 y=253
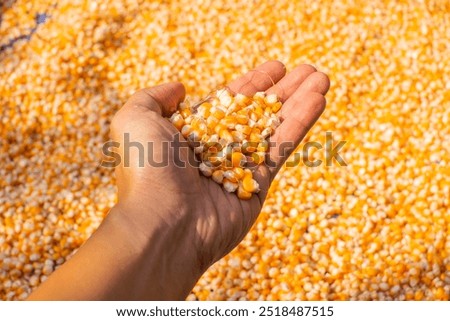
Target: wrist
x=164 y=251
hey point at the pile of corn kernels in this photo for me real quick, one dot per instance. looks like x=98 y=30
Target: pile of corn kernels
x=229 y=135
x=374 y=229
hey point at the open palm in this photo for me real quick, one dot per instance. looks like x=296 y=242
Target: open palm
x=209 y=221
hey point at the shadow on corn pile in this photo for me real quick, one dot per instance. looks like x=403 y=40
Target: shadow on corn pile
x=40 y=18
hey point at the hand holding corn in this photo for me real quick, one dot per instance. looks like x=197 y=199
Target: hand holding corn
x=171 y=223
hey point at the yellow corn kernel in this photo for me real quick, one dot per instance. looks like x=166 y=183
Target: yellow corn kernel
x=246 y=130
x=217 y=113
x=186 y=112
x=249 y=147
x=239 y=172
x=258 y=110
x=217 y=176
x=263 y=146
x=256 y=131
x=256 y=138
x=229 y=121
x=249 y=184
x=225 y=134
x=212 y=122
x=177 y=120
x=212 y=147
x=276 y=107
x=199 y=123
x=238 y=136
x=233 y=108
x=243 y=194
x=189 y=119
x=241 y=99
x=241 y=119
x=237 y=159
x=204 y=110
x=418 y=296
x=213 y=158
x=258 y=157
x=243 y=112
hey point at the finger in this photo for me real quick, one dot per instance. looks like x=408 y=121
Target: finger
x=289 y=129
x=263 y=176
x=259 y=79
x=317 y=82
x=162 y=99
x=289 y=83
x=293 y=129
x=299 y=113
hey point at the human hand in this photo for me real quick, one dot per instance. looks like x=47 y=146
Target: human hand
x=199 y=221
x=171 y=223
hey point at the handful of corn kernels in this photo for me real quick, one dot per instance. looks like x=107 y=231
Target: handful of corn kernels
x=229 y=135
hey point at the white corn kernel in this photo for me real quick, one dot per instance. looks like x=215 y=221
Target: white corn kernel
x=206 y=170
x=266 y=132
x=241 y=99
x=271 y=99
x=230 y=175
x=186 y=130
x=199 y=149
x=230 y=186
x=225 y=100
x=259 y=94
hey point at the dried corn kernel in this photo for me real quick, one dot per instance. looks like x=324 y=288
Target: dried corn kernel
x=249 y=184
x=240 y=137
x=205 y=169
x=230 y=186
x=243 y=194
x=217 y=176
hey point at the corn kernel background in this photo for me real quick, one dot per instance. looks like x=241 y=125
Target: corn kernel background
x=375 y=229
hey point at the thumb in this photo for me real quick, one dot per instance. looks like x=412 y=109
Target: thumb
x=162 y=99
